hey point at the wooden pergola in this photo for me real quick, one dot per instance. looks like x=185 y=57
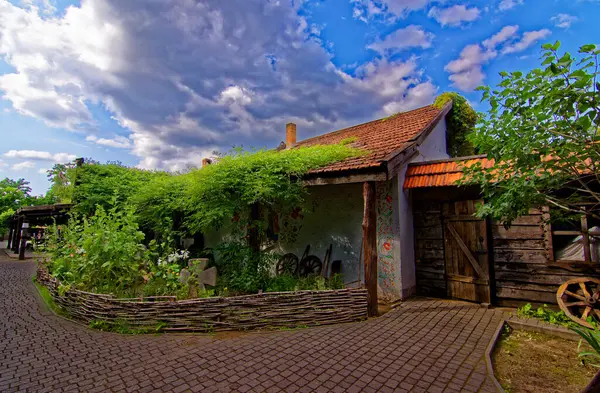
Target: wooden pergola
x=33 y=215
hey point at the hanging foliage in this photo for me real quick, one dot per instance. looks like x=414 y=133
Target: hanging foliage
x=459 y=122
x=210 y=196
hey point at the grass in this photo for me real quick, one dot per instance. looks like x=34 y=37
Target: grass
x=49 y=301
x=123 y=327
x=535 y=362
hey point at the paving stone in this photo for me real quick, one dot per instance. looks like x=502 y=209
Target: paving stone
x=423 y=345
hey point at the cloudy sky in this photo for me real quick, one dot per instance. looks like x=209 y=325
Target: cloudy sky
x=163 y=83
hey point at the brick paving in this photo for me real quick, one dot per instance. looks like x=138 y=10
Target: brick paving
x=422 y=346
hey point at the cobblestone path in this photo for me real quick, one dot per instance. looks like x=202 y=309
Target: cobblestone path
x=422 y=346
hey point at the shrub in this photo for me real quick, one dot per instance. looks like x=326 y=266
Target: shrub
x=105 y=253
x=460 y=123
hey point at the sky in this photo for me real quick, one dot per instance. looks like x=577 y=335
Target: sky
x=162 y=84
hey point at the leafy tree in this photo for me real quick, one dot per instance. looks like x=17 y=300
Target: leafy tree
x=541 y=132
x=15 y=194
x=62 y=177
x=93 y=184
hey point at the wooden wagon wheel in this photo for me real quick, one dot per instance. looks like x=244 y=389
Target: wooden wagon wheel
x=579 y=298
x=288 y=264
x=310 y=265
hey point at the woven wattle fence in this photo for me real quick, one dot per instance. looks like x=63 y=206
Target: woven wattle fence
x=261 y=311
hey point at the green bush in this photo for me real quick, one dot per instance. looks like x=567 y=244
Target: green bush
x=105 y=253
x=107 y=248
x=461 y=121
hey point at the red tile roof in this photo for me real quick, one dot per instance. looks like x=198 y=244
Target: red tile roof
x=440 y=173
x=381 y=138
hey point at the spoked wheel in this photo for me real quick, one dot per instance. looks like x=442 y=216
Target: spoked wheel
x=310 y=265
x=288 y=264
x=580 y=299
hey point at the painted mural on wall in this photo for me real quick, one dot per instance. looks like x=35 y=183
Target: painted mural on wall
x=385 y=238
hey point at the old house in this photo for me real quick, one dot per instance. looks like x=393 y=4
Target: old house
x=400 y=225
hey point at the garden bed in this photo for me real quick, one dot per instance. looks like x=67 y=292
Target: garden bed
x=260 y=311
x=535 y=362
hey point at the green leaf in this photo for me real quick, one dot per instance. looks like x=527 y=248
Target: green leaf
x=587 y=48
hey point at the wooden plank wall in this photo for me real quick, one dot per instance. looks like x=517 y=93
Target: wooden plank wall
x=522 y=266
x=429 y=249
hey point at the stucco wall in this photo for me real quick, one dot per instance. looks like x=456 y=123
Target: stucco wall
x=330 y=215
x=434 y=146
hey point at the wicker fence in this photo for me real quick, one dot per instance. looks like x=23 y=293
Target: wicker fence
x=262 y=311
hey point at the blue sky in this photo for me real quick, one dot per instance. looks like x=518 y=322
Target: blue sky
x=164 y=84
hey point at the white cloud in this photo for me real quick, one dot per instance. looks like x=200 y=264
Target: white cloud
x=235 y=95
x=409 y=37
x=187 y=77
x=3 y=163
x=119 y=141
x=507 y=33
x=466 y=72
x=387 y=10
x=43 y=171
x=529 y=38
x=40 y=155
x=564 y=21
x=21 y=166
x=455 y=15
x=506 y=5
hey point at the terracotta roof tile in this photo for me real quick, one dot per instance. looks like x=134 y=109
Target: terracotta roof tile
x=380 y=137
x=440 y=173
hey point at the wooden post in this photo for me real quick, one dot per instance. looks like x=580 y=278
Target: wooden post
x=22 y=249
x=10 y=235
x=370 y=245
x=586 y=239
x=17 y=243
x=13 y=244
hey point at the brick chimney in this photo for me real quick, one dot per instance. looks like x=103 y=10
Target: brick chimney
x=206 y=162
x=290 y=135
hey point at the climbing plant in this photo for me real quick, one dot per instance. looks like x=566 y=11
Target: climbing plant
x=460 y=122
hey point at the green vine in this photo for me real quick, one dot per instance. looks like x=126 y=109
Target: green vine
x=460 y=122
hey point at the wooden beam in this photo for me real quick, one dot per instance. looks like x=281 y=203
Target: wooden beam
x=400 y=160
x=10 y=235
x=17 y=242
x=22 y=249
x=370 y=245
x=353 y=178
x=13 y=244
x=586 y=239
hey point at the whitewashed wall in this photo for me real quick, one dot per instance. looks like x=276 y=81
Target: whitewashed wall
x=330 y=215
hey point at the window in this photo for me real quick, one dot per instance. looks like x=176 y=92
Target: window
x=577 y=241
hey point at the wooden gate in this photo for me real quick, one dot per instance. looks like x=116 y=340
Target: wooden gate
x=466 y=252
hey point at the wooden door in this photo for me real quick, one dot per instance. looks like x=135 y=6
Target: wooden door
x=466 y=252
